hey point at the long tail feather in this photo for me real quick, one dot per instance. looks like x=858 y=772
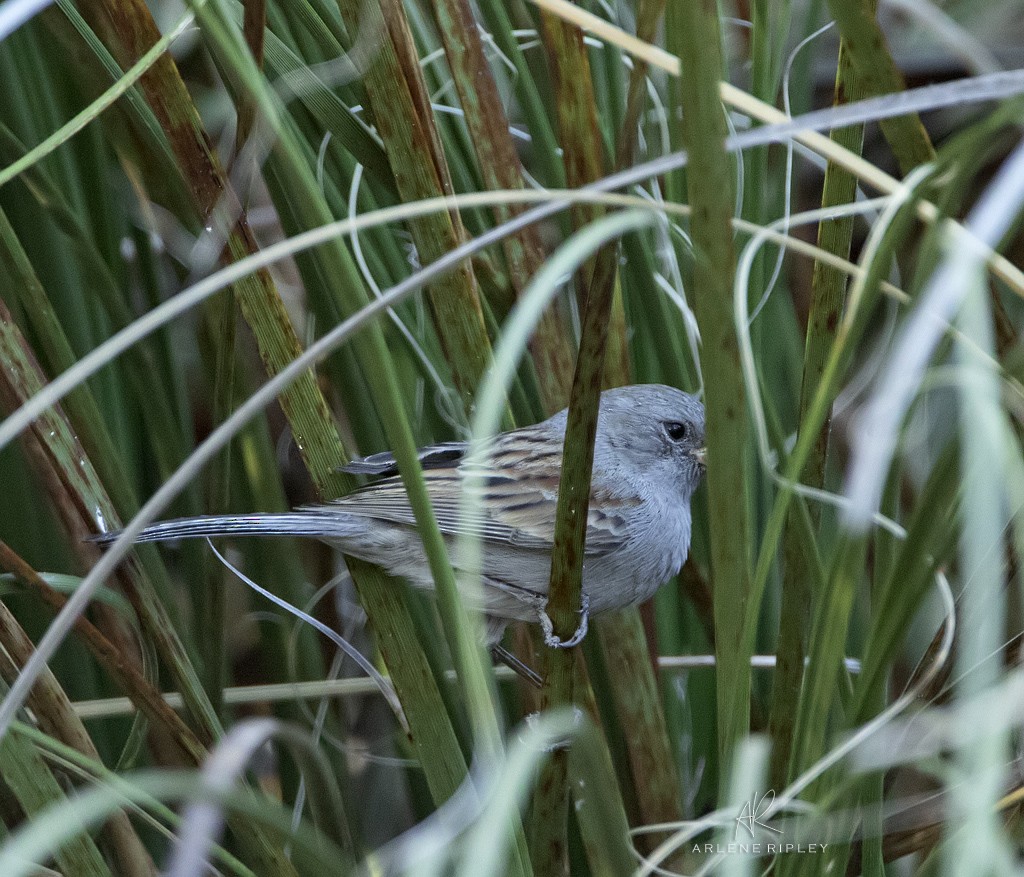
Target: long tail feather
x=313 y=523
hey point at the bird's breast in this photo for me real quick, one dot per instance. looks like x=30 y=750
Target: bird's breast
x=650 y=557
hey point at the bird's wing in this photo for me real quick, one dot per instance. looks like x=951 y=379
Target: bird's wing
x=520 y=495
x=443 y=455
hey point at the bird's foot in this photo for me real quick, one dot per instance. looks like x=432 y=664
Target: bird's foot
x=551 y=640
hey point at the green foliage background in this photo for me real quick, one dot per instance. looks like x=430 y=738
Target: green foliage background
x=419 y=196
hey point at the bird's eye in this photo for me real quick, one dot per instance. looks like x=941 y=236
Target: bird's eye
x=676 y=431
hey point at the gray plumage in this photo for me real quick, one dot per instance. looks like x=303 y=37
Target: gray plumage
x=648 y=461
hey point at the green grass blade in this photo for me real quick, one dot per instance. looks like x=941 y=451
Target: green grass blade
x=709 y=182
x=829 y=288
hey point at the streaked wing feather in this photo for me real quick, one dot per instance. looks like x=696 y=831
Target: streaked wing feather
x=517 y=508
x=388 y=501
x=436 y=456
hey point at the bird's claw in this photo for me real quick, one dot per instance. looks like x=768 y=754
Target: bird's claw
x=551 y=640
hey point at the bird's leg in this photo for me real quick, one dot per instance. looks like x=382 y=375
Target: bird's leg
x=504 y=656
x=539 y=604
x=553 y=641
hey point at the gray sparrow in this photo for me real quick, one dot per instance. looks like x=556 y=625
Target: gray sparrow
x=648 y=461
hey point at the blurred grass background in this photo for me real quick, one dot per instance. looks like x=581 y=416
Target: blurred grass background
x=879 y=716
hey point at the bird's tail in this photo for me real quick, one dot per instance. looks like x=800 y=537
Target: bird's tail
x=315 y=523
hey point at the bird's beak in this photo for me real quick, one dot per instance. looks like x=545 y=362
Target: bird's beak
x=699 y=455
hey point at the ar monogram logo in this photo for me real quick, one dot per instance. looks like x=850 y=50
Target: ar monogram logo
x=752 y=812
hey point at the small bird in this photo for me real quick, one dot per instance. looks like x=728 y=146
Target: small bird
x=648 y=461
